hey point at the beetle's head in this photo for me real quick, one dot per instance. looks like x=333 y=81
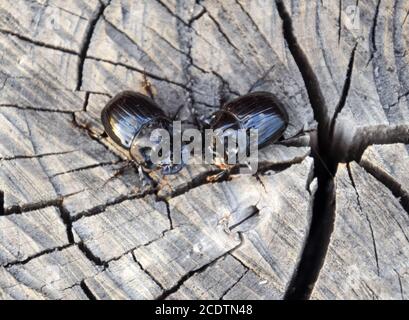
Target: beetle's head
x=152 y=149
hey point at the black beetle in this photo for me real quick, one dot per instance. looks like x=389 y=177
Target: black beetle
x=261 y=111
x=129 y=119
x=257 y=110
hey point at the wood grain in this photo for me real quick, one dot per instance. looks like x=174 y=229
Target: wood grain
x=77 y=220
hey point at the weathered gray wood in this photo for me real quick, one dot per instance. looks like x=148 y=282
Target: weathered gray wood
x=123 y=227
x=368 y=253
x=31 y=233
x=124 y=279
x=55 y=275
x=73 y=226
x=376 y=105
x=389 y=163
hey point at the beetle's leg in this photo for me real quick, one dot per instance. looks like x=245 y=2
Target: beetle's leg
x=225 y=171
x=147 y=86
x=164 y=182
x=119 y=172
x=145 y=177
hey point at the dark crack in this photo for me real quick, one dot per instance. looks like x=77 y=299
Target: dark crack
x=147 y=272
x=358 y=199
x=87 y=41
x=2 y=213
x=253 y=211
x=16 y=209
x=38 y=109
x=38 y=43
x=66 y=218
x=36 y=156
x=400 y=284
x=169 y=214
x=132 y=68
x=310 y=79
x=318 y=237
x=171 y=12
x=345 y=91
x=102 y=207
x=91 y=166
x=373 y=32
x=387 y=180
x=39 y=254
x=91 y=256
x=87 y=291
x=325 y=166
x=339 y=21
x=219 y=28
x=86 y=100
x=199 y=270
x=233 y=285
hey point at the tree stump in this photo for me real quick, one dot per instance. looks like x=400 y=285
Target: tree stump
x=326 y=216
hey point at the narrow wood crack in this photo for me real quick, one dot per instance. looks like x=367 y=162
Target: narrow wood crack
x=38 y=43
x=358 y=200
x=147 y=272
x=36 y=156
x=388 y=181
x=373 y=32
x=233 y=285
x=35 y=108
x=87 y=41
x=345 y=91
x=87 y=291
x=39 y=254
x=191 y=273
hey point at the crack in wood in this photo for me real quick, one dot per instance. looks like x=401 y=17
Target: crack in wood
x=34 y=156
x=147 y=272
x=171 y=12
x=148 y=74
x=388 y=181
x=373 y=33
x=38 y=43
x=358 y=200
x=35 y=108
x=345 y=91
x=39 y=254
x=201 y=269
x=87 y=291
x=87 y=41
x=323 y=211
x=233 y=285
x=102 y=207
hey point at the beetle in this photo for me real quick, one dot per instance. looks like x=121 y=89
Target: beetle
x=129 y=119
x=257 y=110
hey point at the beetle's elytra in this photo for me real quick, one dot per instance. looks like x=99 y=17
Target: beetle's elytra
x=256 y=110
x=127 y=113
